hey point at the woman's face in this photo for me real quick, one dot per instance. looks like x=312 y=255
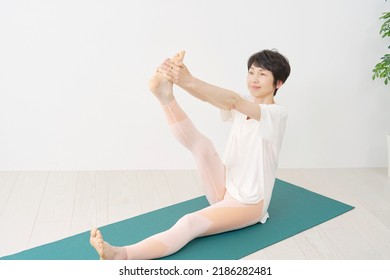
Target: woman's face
x=260 y=82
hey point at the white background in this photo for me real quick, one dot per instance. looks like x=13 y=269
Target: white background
x=74 y=75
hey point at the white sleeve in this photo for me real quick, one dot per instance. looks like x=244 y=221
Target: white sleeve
x=272 y=122
x=226 y=115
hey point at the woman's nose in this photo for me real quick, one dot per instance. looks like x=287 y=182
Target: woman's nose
x=254 y=79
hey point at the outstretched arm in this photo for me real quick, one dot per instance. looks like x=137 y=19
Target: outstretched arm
x=222 y=98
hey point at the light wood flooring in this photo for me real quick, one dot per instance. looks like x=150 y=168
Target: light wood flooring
x=37 y=207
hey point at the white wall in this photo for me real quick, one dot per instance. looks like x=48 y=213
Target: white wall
x=73 y=79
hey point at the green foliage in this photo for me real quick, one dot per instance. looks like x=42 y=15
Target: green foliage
x=382 y=69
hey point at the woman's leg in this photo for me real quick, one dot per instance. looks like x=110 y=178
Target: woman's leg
x=223 y=216
x=209 y=165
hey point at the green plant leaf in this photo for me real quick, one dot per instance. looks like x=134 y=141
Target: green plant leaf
x=382 y=68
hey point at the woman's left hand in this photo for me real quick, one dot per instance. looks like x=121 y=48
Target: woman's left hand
x=176 y=72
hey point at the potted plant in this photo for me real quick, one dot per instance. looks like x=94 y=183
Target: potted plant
x=382 y=68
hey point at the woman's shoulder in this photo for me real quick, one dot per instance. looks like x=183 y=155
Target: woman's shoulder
x=275 y=108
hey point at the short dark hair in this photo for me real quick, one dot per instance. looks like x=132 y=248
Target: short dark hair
x=272 y=61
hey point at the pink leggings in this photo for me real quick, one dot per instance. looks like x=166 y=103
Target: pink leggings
x=224 y=213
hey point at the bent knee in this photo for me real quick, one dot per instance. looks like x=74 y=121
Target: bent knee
x=204 y=146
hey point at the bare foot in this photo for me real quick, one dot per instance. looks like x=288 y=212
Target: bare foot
x=105 y=250
x=161 y=86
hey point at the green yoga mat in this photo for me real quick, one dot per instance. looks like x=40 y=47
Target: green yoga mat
x=292 y=210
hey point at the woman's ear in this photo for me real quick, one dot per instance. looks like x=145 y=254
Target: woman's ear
x=279 y=84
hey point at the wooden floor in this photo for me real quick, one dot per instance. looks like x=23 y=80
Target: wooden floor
x=40 y=207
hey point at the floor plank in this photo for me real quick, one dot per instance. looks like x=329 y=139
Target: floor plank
x=123 y=196
x=20 y=211
x=91 y=204
x=55 y=213
x=7 y=183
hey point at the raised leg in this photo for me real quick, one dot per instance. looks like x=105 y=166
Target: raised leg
x=210 y=167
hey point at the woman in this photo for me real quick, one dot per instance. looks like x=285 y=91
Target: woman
x=239 y=187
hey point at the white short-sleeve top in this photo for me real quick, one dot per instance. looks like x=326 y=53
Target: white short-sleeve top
x=251 y=155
